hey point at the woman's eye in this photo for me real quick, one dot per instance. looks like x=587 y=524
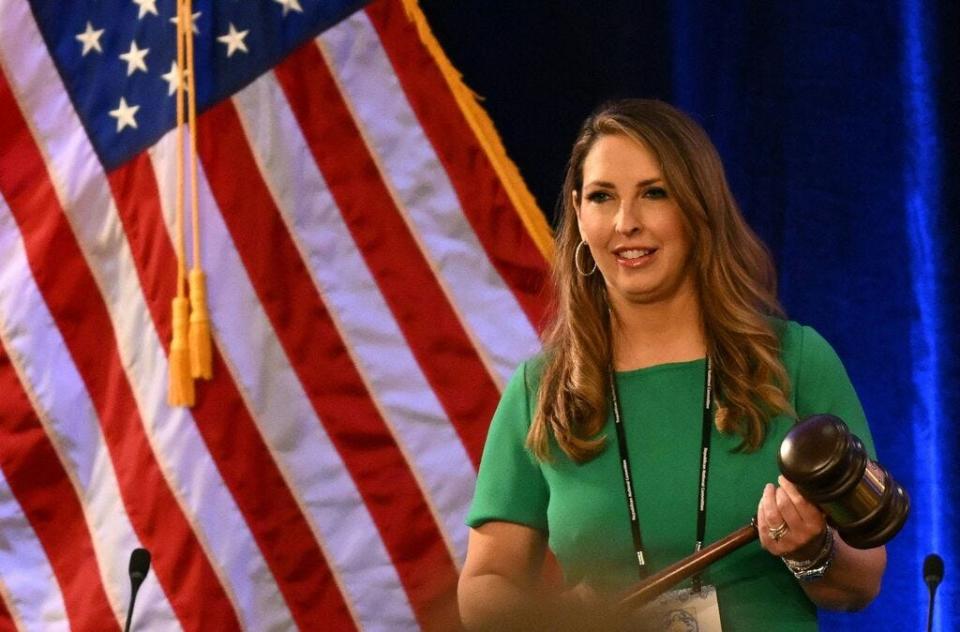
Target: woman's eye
x=655 y=193
x=598 y=197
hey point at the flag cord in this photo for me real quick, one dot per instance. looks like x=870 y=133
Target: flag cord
x=181 y=253
x=180 y=389
x=200 y=335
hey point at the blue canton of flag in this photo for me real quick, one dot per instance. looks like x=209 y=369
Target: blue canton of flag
x=118 y=57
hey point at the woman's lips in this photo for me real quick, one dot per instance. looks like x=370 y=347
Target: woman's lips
x=635 y=257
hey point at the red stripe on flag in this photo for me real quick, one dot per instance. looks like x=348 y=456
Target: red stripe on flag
x=230 y=433
x=323 y=364
x=69 y=289
x=484 y=201
x=49 y=501
x=431 y=327
x=6 y=619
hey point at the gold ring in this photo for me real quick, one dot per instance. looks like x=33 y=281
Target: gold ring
x=778 y=532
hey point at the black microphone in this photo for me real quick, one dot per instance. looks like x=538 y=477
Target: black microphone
x=932 y=575
x=139 y=567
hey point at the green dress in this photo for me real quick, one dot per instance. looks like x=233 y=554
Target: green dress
x=582 y=507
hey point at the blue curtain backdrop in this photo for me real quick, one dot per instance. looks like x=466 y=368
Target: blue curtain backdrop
x=839 y=124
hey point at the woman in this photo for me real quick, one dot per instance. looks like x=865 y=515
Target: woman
x=667 y=321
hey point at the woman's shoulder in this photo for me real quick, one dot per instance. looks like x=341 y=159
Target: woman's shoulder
x=529 y=372
x=800 y=343
x=816 y=372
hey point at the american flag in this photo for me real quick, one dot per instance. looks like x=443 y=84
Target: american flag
x=375 y=272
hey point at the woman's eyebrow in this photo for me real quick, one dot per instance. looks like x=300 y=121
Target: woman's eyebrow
x=609 y=185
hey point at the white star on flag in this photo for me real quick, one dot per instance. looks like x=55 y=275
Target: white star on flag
x=135 y=58
x=146 y=6
x=124 y=115
x=90 y=39
x=174 y=77
x=193 y=21
x=234 y=40
x=289 y=5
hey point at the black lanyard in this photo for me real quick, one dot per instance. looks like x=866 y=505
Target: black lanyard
x=704 y=468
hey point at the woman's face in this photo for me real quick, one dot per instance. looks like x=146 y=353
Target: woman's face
x=632 y=224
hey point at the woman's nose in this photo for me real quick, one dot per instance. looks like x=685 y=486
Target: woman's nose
x=628 y=218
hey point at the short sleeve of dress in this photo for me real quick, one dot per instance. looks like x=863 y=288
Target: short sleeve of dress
x=822 y=385
x=510 y=485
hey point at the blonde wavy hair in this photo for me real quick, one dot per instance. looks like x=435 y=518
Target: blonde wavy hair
x=733 y=274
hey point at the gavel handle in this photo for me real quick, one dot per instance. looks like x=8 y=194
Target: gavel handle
x=659 y=583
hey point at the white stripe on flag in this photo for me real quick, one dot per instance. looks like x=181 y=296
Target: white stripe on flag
x=84 y=194
x=316 y=475
x=424 y=194
x=43 y=361
x=430 y=444
x=25 y=572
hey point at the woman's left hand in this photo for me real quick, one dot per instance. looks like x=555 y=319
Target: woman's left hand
x=789 y=525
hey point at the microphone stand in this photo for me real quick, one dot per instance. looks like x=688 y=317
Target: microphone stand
x=133 y=600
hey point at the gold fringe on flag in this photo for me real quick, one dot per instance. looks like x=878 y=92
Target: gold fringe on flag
x=486 y=133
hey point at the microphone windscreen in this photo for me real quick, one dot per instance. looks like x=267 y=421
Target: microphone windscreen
x=933 y=569
x=139 y=564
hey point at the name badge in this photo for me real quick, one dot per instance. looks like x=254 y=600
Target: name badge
x=682 y=611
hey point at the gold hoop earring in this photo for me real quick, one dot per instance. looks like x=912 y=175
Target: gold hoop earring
x=576 y=260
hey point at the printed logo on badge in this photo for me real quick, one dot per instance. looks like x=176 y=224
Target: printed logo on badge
x=684 y=611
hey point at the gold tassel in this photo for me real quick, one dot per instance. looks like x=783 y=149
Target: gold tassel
x=200 y=345
x=180 y=391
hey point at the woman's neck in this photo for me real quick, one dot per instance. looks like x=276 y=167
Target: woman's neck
x=647 y=334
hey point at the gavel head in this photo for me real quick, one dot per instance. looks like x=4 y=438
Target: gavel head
x=830 y=468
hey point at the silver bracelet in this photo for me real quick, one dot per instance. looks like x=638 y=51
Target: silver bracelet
x=809 y=570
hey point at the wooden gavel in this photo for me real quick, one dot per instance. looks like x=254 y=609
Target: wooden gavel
x=830 y=467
